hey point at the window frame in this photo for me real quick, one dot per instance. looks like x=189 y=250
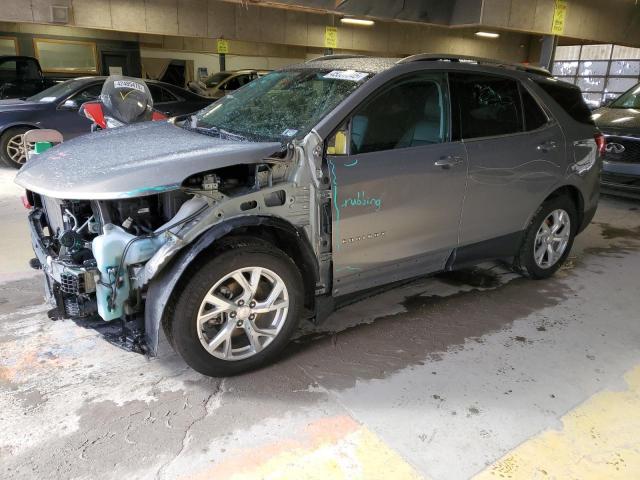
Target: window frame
x=92 y=45
x=16 y=46
x=346 y=122
x=73 y=96
x=520 y=85
x=550 y=120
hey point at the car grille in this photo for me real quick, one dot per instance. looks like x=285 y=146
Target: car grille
x=70 y=283
x=630 y=153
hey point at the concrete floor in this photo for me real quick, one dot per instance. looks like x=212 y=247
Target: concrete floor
x=479 y=372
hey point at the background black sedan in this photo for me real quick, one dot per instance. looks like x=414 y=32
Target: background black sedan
x=57 y=108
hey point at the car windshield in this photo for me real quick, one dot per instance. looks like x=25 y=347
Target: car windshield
x=216 y=78
x=56 y=92
x=630 y=99
x=281 y=105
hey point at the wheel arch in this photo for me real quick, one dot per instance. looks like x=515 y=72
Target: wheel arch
x=282 y=234
x=22 y=124
x=576 y=197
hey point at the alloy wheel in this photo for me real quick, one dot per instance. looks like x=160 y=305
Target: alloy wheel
x=552 y=238
x=242 y=313
x=15 y=149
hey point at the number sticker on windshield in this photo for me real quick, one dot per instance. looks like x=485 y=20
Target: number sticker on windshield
x=351 y=75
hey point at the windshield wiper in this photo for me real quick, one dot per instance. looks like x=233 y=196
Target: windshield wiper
x=214 y=131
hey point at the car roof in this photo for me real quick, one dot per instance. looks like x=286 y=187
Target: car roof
x=379 y=64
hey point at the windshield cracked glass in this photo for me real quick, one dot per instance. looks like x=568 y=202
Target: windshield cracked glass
x=279 y=106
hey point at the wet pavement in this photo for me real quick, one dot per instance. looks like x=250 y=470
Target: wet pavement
x=439 y=378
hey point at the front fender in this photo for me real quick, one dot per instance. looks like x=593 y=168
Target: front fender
x=164 y=283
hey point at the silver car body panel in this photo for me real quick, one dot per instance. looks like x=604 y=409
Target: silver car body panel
x=101 y=167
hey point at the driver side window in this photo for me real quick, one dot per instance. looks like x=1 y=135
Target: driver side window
x=88 y=94
x=410 y=112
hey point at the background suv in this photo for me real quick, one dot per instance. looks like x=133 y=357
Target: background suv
x=309 y=187
x=620 y=122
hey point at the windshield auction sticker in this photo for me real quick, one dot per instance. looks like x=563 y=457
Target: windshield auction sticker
x=351 y=75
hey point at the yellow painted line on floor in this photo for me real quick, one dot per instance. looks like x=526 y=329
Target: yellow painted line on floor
x=600 y=439
x=333 y=448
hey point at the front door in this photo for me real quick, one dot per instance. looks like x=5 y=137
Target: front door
x=397 y=184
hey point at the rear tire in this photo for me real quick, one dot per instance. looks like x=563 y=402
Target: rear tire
x=221 y=326
x=11 y=152
x=548 y=239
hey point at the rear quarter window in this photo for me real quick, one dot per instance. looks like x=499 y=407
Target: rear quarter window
x=569 y=98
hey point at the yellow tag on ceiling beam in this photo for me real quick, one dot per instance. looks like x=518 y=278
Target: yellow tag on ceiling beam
x=330 y=37
x=559 y=17
x=222 y=45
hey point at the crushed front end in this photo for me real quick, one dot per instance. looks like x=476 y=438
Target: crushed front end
x=93 y=253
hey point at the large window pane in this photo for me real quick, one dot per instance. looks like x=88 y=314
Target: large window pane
x=595 y=52
x=66 y=56
x=625 y=67
x=625 y=52
x=569 y=52
x=489 y=105
x=620 y=84
x=8 y=46
x=592 y=68
x=593 y=100
x=591 y=84
x=565 y=68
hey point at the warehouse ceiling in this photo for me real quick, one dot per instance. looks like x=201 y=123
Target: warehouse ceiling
x=426 y=11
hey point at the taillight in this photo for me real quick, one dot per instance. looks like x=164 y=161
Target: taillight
x=25 y=202
x=601 y=142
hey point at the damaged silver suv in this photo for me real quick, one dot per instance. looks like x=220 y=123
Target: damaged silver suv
x=306 y=189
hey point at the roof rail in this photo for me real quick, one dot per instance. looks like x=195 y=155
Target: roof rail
x=337 y=56
x=439 y=57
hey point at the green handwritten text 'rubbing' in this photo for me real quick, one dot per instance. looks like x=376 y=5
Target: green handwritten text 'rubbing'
x=361 y=200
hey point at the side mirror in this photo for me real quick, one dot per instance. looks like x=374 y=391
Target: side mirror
x=70 y=105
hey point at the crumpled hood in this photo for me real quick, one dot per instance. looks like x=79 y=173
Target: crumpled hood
x=133 y=161
x=617 y=119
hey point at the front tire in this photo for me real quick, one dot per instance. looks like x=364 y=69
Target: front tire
x=238 y=310
x=548 y=239
x=12 y=152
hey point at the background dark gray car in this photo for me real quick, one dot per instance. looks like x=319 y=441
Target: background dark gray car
x=57 y=108
x=620 y=122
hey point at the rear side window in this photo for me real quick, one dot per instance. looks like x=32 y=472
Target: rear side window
x=487 y=105
x=570 y=99
x=534 y=116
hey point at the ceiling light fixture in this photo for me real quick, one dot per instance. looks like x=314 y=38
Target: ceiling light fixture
x=488 y=34
x=357 y=21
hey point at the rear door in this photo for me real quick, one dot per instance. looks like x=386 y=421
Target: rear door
x=515 y=151
x=397 y=184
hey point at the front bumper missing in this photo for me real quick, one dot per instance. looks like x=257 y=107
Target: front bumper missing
x=70 y=290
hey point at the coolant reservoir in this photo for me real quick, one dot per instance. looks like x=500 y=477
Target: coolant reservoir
x=108 y=249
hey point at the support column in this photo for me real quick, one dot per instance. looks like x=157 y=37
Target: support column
x=548 y=51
